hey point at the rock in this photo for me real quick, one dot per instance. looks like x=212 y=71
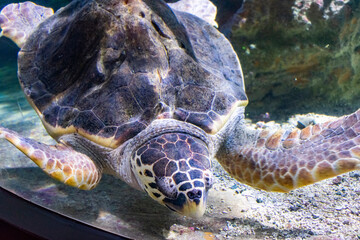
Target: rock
x=306 y=55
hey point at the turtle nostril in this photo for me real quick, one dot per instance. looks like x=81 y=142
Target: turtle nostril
x=194 y=194
x=191 y=195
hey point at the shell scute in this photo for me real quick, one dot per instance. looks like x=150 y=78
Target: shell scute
x=196 y=98
x=102 y=71
x=87 y=120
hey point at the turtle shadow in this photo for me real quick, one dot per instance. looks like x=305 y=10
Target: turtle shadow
x=116 y=207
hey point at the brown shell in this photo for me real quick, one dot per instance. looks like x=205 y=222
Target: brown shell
x=106 y=69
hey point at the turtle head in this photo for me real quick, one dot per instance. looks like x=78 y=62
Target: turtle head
x=174 y=169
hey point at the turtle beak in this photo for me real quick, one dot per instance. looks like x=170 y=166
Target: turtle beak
x=192 y=207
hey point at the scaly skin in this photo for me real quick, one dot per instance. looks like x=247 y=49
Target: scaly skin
x=59 y=161
x=175 y=171
x=280 y=163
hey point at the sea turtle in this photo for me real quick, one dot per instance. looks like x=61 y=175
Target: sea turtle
x=152 y=95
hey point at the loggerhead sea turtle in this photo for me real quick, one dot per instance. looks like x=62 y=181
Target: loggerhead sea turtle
x=151 y=95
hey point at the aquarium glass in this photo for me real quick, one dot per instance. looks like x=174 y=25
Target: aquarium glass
x=297 y=57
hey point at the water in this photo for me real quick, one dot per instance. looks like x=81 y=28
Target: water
x=234 y=210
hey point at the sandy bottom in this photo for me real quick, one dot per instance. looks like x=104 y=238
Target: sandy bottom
x=326 y=210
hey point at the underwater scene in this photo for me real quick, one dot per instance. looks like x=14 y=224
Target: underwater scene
x=297 y=57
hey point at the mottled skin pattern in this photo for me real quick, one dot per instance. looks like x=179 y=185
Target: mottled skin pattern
x=29 y=13
x=284 y=161
x=60 y=161
x=151 y=96
x=201 y=8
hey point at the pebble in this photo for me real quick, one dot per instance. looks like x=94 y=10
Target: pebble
x=311 y=195
x=354 y=174
x=294 y=208
x=337 y=180
x=339 y=208
x=314 y=216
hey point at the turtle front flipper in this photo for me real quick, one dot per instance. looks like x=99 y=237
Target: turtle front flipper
x=59 y=161
x=203 y=9
x=19 y=20
x=281 y=161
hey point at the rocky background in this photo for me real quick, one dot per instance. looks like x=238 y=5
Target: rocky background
x=298 y=56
